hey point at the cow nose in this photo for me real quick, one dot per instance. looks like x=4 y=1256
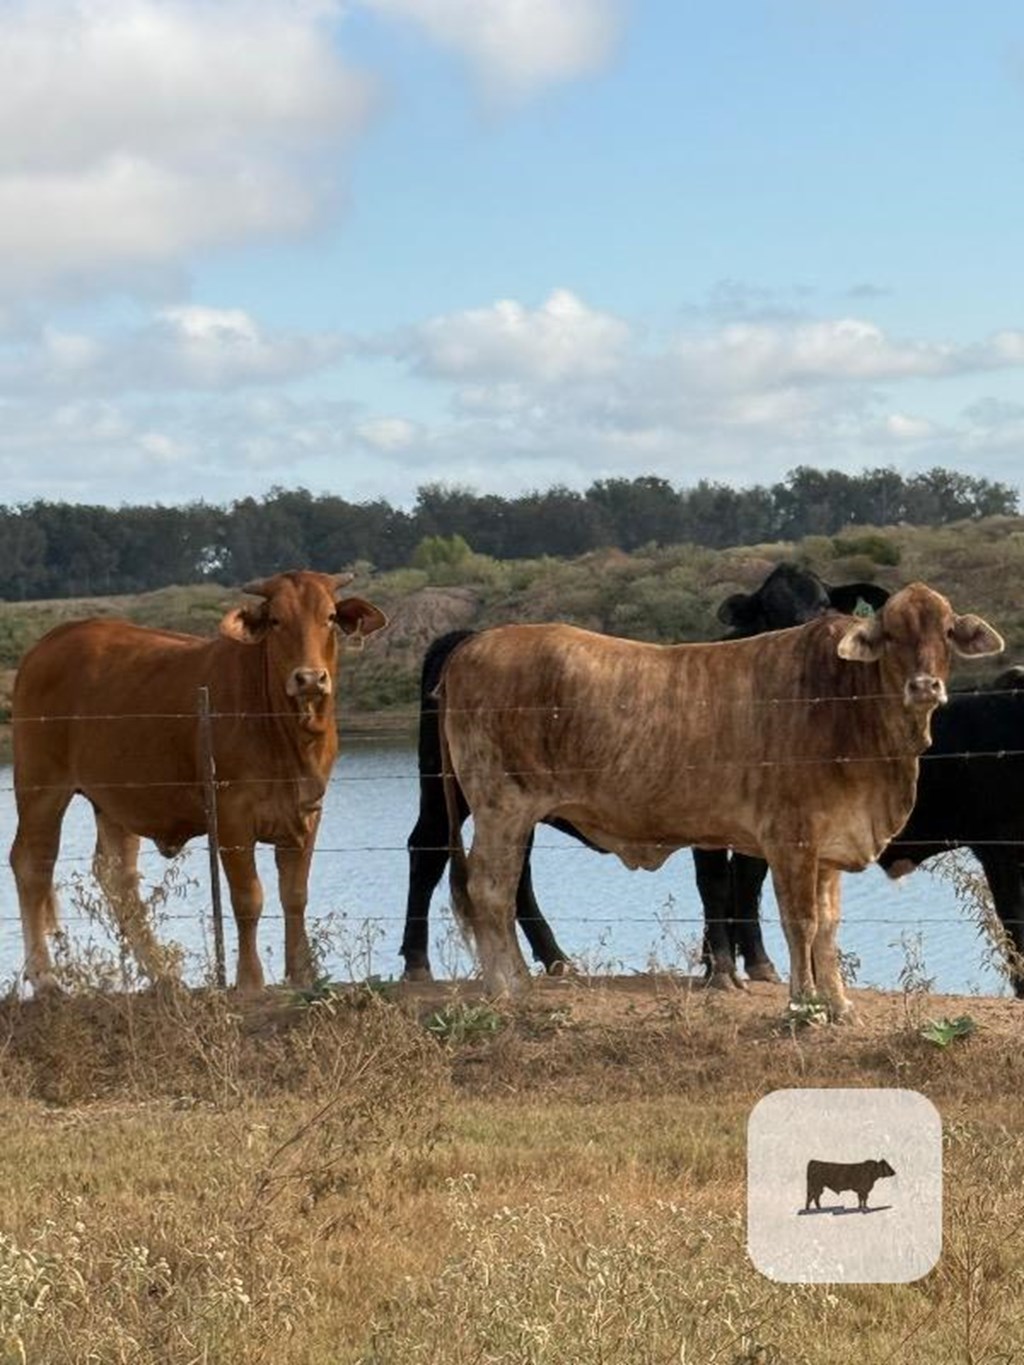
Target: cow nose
x=925 y=690
x=305 y=680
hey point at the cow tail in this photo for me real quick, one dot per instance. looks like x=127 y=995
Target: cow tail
x=458 y=874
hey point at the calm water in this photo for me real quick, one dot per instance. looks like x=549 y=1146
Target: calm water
x=608 y=918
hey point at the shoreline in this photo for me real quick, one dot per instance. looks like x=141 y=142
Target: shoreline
x=401 y=723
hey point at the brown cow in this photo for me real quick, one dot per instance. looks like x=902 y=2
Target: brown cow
x=109 y=709
x=800 y=747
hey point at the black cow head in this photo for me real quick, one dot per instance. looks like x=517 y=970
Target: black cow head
x=791 y=596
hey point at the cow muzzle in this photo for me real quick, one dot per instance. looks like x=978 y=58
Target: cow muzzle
x=924 y=689
x=309 y=688
x=309 y=683
x=902 y=867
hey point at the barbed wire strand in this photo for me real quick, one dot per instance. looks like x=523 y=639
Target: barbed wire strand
x=340 y=777
x=539 y=708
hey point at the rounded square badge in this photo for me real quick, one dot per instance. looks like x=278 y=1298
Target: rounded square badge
x=844 y=1186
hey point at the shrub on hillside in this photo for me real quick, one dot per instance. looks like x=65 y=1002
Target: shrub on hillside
x=879 y=549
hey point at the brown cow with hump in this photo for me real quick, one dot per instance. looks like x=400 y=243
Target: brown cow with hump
x=109 y=709
x=800 y=747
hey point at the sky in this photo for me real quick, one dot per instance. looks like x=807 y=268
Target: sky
x=367 y=245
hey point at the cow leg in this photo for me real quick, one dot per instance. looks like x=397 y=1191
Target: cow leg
x=535 y=927
x=1003 y=872
x=293 y=891
x=239 y=863
x=428 y=846
x=795 y=878
x=714 y=886
x=748 y=876
x=115 y=866
x=33 y=857
x=825 y=952
x=494 y=867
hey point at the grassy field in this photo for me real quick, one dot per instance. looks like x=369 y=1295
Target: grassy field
x=413 y=1175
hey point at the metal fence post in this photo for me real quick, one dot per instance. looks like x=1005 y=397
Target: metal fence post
x=209 y=773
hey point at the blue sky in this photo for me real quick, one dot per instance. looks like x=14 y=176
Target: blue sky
x=504 y=243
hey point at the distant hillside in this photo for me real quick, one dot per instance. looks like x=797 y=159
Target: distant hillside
x=668 y=594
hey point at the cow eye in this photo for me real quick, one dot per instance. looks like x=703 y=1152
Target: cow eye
x=332 y=620
x=273 y=621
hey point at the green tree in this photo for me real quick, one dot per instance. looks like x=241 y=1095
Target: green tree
x=436 y=551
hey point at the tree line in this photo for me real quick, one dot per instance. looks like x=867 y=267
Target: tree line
x=54 y=549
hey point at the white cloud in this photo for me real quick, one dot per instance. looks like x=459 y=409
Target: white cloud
x=187 y=347
x=564 y=381
x=560 y=341
x=387 y=434
x=517 y=46
x=509 y=351
x=745 y=354
x=568 y=367
x=220 y=348
x=203 y=401
x=133 y=132
x=902 y=426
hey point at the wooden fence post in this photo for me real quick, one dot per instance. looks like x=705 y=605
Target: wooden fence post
x=209 y=773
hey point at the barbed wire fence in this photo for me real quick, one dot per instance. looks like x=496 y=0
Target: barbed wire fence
x=196 y=878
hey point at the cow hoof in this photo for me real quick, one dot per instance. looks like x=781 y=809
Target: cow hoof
x=764 y=971
x=725 y=981
x=500 y=987
x=168 y=989
x=417 y=974
x=250 y=990
x=47 y=987
x=560 y=968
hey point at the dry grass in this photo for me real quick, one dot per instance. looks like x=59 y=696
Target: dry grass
x=188 y=1180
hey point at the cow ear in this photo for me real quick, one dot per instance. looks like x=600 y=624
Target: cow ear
x=862 y=643
x=973 y=636
x=847 y=596
x=245 y=625
x=358 y=618
x=737 y=611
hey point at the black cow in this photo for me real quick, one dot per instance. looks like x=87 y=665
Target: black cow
x=970 y=794
x=858 y=1176
x=729 y=885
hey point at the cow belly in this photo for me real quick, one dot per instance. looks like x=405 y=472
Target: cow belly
x=170 y=831
x=647 y=850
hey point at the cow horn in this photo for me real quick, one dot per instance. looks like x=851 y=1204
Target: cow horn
x=340 y=580
x=259 y=587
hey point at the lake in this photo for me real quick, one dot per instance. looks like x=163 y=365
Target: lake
x=609 y=919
